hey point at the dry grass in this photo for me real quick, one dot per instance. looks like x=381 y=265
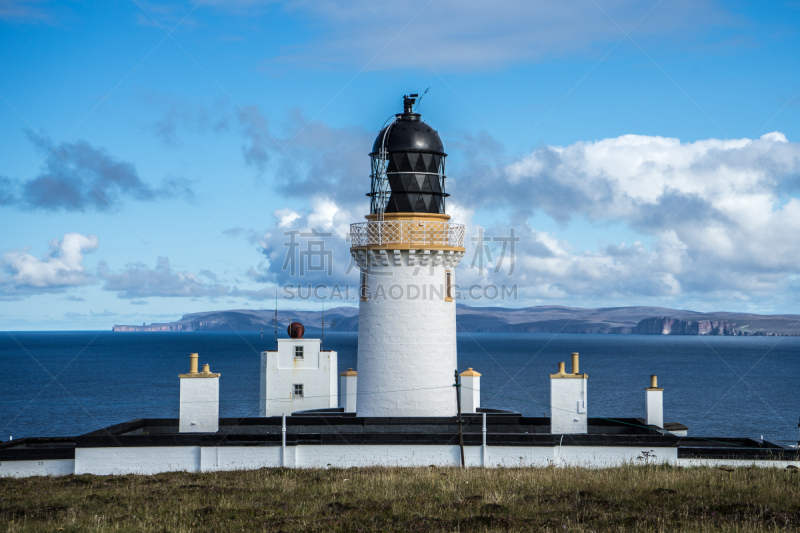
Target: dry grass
x=635 y=498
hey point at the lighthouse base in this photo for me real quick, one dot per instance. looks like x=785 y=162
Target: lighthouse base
x=406 y=333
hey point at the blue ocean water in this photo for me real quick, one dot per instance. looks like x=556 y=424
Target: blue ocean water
x=68 y=383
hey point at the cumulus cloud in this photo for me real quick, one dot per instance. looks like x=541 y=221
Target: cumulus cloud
x=548 y=268
x=79 y=176
x=60 y=268
x=718 y=214
x=139 y=281
x=308 y=247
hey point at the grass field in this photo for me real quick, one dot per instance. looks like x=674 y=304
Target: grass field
x=634 y=498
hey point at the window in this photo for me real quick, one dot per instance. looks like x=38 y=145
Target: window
x=364 y=287
x=448 y=286
x=298 y=352
x=298 y=390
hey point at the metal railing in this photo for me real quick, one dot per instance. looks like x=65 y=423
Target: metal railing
x=407 y=232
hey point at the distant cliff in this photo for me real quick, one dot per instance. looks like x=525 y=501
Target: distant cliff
x=540 y=319
x=665 y=325
x=757 y=325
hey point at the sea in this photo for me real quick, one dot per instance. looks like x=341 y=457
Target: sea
x=70 y=383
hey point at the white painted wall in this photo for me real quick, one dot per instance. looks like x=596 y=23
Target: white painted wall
x=407 y=336
x=566 y=395
x=137 y=460
x=280 y=371
x=225 y=458
x=654 y=400
x=736 y=463
x=153 y=460
x=586 y=456
x=199 y=411
x=44 y=467
x=389 y=455
x=514 y=456
x=608 y=456
x=348 y=392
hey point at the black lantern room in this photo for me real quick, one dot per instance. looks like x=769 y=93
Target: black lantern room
x=407 y=166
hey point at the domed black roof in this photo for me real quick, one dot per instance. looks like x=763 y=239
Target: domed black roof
x=409 y=133
x=409 y=176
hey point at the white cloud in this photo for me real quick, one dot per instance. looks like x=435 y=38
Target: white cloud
x=139 y=281
x=329 y=216
x=286 y=217
x=61 y=267
x=723 y=198
x=720 y=214
x=323 y=221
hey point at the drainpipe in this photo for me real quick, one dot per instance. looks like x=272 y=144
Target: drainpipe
x=283 y=441
x=484 y=450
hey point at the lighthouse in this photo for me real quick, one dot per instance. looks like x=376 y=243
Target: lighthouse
x=407 y=252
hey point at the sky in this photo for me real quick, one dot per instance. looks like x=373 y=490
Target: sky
x=155 y=158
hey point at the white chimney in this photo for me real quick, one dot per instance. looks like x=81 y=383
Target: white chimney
x=654 y=398
x=199 y=400
x=470 y=391
x=348 y=390
x=568 y=412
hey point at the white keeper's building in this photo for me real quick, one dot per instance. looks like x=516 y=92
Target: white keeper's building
x=298 y=376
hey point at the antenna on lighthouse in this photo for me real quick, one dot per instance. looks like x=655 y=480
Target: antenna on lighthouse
x=419 y=102
x=276 y=321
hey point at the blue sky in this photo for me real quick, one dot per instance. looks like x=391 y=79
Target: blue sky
x=645 y=153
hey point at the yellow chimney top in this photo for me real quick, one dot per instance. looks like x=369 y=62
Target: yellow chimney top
x=349 y=372
x=470 y=373
x=653 y=383
x=193 y=373
x=562 y=372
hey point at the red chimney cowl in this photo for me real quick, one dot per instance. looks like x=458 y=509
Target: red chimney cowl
x=296 y=330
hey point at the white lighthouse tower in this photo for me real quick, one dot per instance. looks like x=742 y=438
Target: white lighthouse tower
x=407 y=252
